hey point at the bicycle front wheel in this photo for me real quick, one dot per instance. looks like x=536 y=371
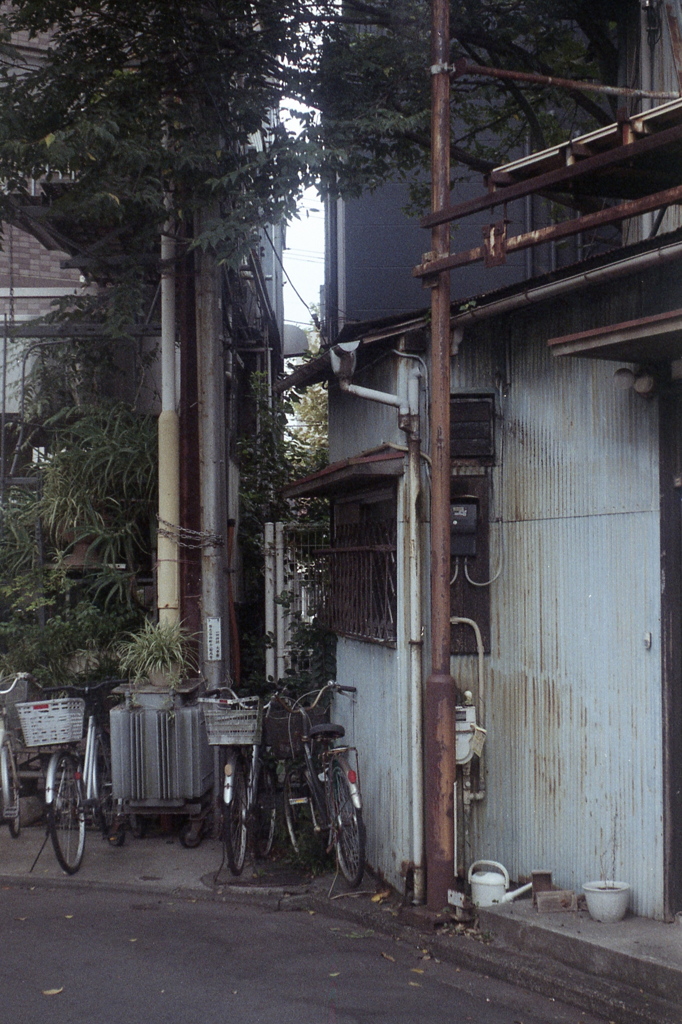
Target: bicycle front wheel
x=10 y=789
x=297 y=806
x=266 y=812
x=235 y=833
x=348 y=828
x=66 y=813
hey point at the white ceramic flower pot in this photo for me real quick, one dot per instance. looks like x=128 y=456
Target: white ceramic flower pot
x=607 y=901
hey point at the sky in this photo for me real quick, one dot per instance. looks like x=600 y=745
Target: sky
x=304 y=260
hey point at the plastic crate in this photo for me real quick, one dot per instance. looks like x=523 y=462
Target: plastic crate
x=47 y=722
x=284 y=730
x=233 y=722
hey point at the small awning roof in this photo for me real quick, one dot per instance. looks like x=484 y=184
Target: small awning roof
x=348 y=474
x=650 y=339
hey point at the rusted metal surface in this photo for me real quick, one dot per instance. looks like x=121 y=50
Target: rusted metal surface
x=439 y=713
x=465 y=67
x=574 y=716
x=561 y=176
x=646 y=339
x=494 y=250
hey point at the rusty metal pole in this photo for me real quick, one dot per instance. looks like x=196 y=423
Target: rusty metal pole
x=440 y=697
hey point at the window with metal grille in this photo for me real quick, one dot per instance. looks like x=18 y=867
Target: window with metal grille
x=362 y=597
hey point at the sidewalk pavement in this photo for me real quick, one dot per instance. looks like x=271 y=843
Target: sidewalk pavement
x=628 y=973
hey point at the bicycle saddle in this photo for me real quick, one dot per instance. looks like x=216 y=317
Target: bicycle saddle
x=329 y=729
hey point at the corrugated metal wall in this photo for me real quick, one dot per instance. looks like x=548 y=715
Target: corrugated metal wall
x=574 y=695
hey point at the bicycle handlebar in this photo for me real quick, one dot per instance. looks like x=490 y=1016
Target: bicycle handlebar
x=18 y=676
x=296 y=705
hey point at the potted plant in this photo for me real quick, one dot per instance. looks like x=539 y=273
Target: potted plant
x=607 y=899
x=159 y=655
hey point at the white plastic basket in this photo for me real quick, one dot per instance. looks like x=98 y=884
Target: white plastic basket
x=233 y=722
x=52 y=721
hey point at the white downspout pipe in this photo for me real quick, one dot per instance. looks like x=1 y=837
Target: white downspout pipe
x=168 y=571
x=416 y=643
x=344 y=364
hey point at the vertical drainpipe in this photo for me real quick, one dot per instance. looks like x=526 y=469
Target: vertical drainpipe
x=415 y=641
x=211 y=394
x=440 y=696
x=168 y=572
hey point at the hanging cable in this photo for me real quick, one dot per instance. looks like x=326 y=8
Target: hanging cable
x=313 y=316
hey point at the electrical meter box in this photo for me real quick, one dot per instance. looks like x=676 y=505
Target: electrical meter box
x=463 y=526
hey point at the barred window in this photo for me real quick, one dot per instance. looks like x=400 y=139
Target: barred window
x=362 y=600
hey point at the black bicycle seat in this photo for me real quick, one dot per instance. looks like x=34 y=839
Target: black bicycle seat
x=329 y=729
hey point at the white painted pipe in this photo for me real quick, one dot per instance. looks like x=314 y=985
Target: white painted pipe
x=460 y=620
x=416 y=697
x=384 y=397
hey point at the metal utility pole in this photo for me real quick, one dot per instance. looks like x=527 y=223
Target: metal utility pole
x=440 y=696
x=211 y=394
x=168 y=573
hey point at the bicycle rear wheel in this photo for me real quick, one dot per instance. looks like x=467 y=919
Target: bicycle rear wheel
x=10 y=789
x=104 y=811
x=265 y=812
x=66 y=812
x=348 y=828
x=235 y=832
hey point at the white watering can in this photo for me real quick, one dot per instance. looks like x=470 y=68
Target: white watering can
x=490 y=887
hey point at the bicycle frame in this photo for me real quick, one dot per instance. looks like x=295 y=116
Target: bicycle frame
x=252 y=779
x=90 y=780
x=320 y=789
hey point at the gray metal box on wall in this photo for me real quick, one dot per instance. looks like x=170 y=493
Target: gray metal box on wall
x=159 y=755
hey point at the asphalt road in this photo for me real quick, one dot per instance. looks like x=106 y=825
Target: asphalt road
x=75 y=956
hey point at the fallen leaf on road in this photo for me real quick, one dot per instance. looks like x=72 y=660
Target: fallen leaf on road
x=414 y=984
x=68 y=916
x=334 y=974
x=52 y=991
x=20 y=918
x=416 y=970
x=387 y=956
x=132 y=940
x=379 y=897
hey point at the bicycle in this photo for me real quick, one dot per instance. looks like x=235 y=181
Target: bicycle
x=321 y=786
x=78 y=789
x=249 y=784
x=9 y=776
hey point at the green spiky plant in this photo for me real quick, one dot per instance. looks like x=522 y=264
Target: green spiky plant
x=160 y=653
